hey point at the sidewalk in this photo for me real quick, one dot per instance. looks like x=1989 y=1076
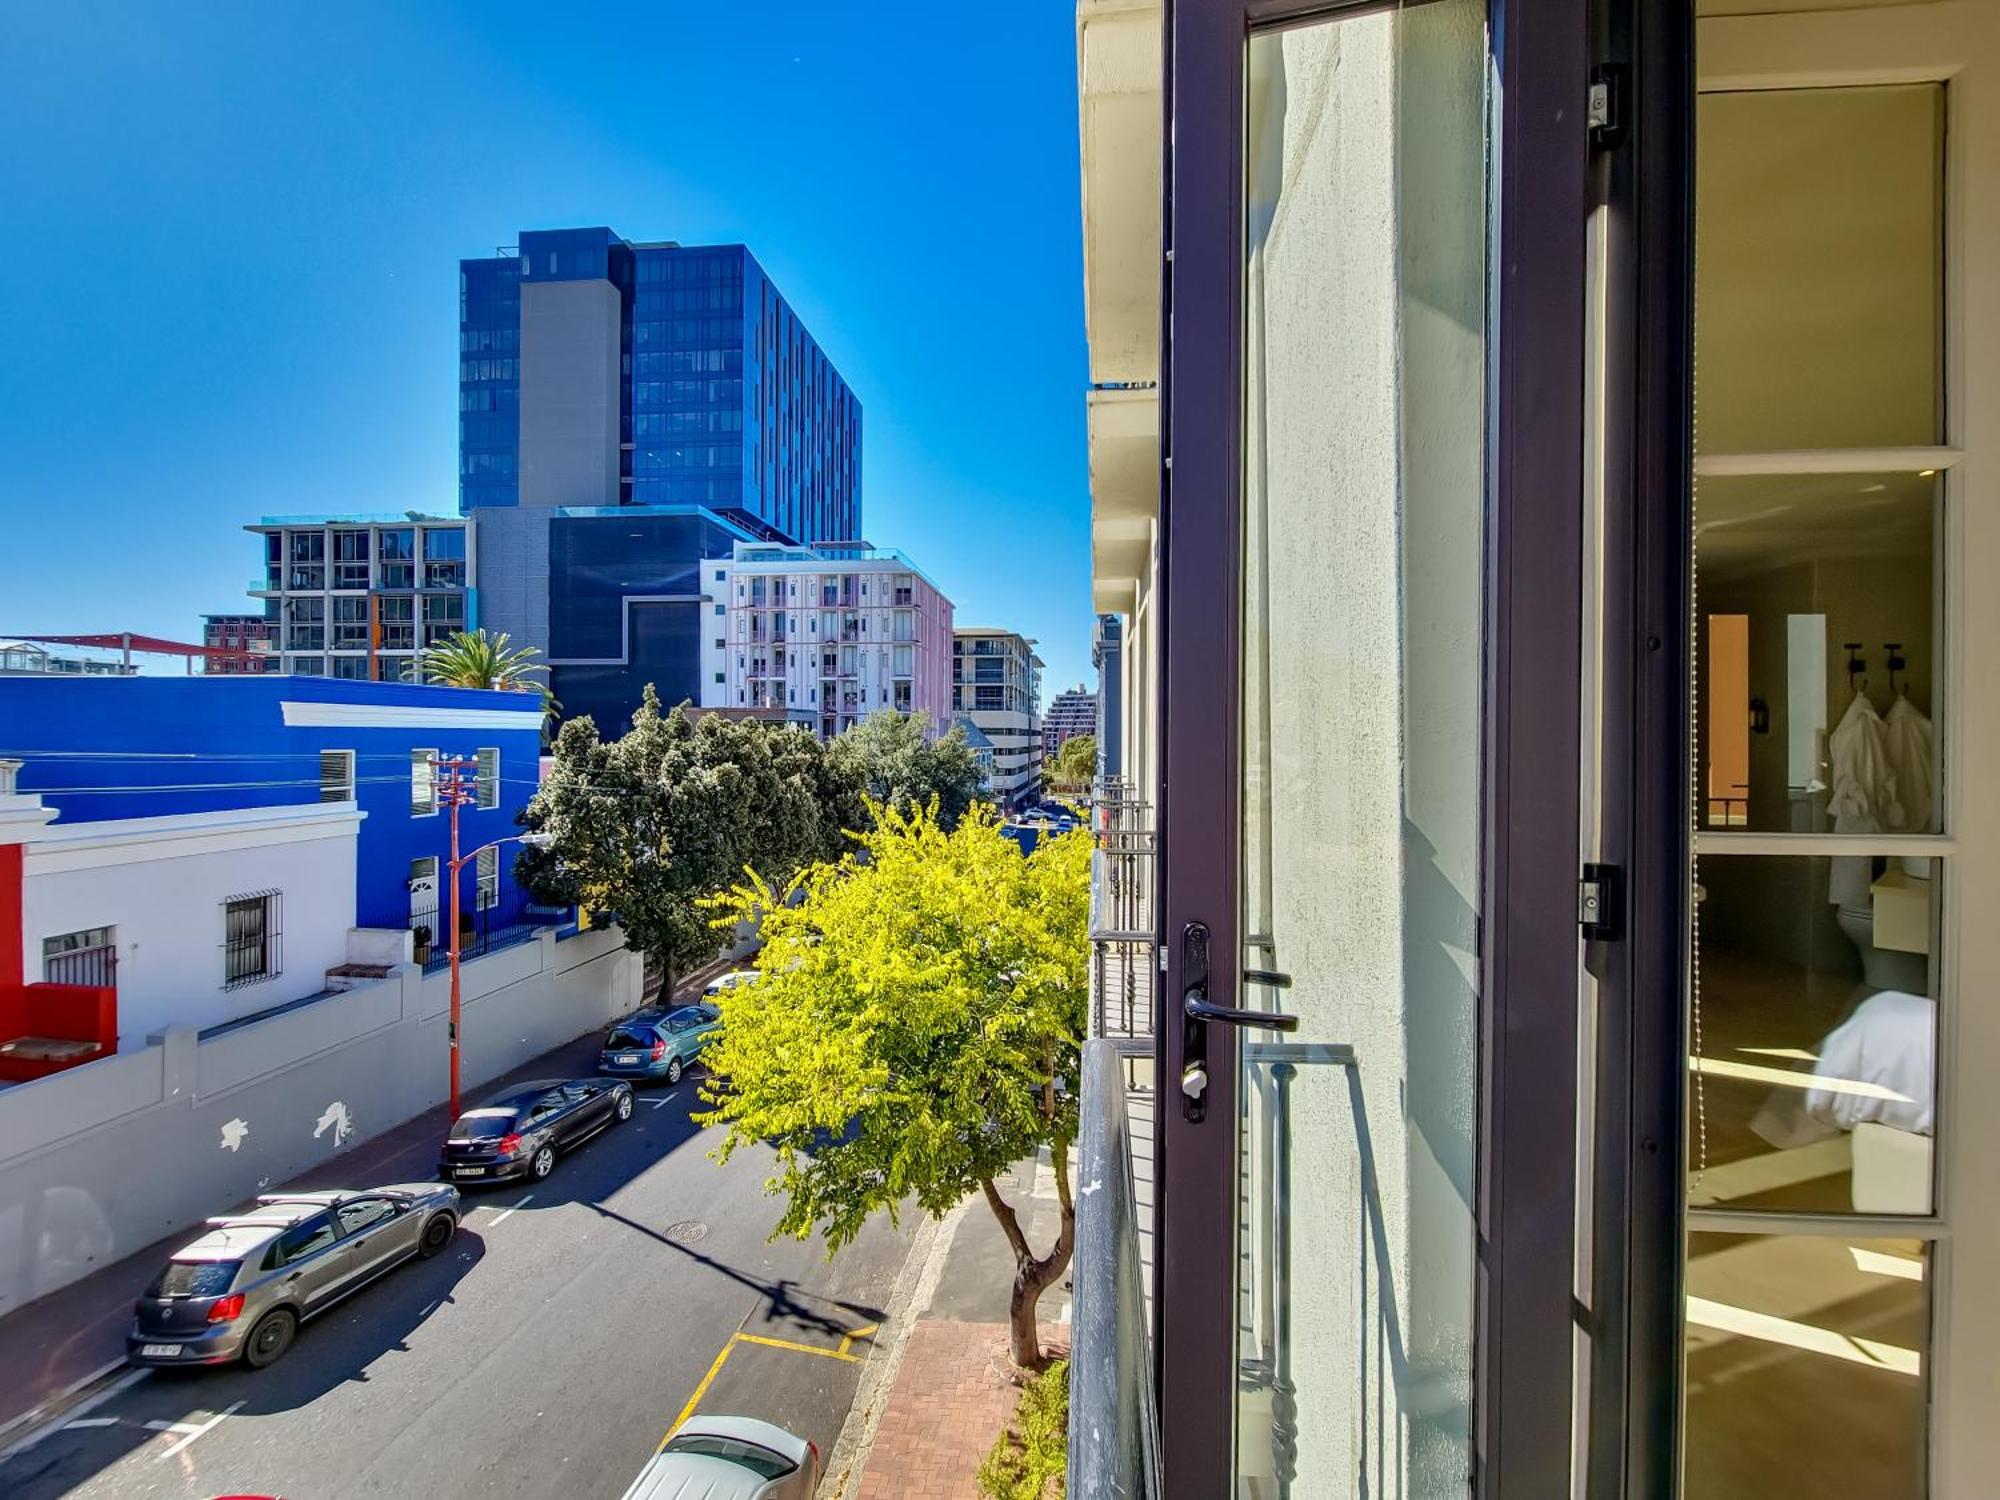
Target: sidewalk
x=953 y=1386
x=73 y=1337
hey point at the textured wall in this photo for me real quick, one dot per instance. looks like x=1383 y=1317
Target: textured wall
x=102 y=1160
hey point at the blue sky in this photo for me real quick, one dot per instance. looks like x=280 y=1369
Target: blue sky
x=232 y=236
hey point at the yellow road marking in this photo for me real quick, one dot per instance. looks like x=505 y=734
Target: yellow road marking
x=701 y=1390
x=758 y=1338
x=722 y=1358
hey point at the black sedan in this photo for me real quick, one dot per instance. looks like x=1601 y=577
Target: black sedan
x=520 y=1132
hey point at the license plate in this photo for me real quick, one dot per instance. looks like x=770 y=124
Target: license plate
x=468 y=1171
x=625 y=1059
x=159 y=1351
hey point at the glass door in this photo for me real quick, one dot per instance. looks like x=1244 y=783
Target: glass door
x=1843 y=533
x=1361 y=639
x=1370 y=640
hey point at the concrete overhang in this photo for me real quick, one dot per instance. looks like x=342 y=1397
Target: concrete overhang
x=1124 y=430
x=1119 y=108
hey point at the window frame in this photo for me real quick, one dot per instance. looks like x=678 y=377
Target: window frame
x=425 y=806
x=342 y=788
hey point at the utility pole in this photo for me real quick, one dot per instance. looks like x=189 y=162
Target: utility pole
x=452 y=788
x=456 y=782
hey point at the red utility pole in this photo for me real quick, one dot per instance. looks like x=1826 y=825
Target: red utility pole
x=452 y=788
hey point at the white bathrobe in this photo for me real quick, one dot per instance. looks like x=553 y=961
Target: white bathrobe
x=1909 y=743
x=1863 y=798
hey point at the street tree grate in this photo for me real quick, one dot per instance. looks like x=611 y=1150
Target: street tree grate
x=687 y=1232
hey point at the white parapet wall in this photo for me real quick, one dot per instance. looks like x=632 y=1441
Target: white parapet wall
x=99 y=1161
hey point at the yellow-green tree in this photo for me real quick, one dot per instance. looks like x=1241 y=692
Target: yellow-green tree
x=916 y=1031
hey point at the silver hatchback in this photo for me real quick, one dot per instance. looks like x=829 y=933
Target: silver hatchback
x=241 y=1290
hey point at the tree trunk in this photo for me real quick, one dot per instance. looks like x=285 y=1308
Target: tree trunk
x=1033 y=1274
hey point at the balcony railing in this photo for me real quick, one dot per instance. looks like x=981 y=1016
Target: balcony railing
x=1114 y=1440
x=1121 y=912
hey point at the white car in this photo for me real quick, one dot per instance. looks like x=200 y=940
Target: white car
x=729 y=1458
x=722 y=983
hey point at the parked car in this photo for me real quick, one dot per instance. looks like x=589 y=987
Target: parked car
x=658 y=1043
x=722 y=984
x=730 y=1458
x=241 y=1289
x=519 y=1133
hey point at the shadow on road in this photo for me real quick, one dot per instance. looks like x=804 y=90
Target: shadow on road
x=335 y=1349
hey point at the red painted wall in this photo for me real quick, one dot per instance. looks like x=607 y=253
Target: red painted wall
x=10 y=915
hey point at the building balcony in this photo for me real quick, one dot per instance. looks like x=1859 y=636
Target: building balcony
x=1114 y=1436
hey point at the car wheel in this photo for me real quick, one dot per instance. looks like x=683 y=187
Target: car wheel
x=437 y=1234
x=544 y=1163
x=270 y=1339
x=673 y=1070
x=624 y=1107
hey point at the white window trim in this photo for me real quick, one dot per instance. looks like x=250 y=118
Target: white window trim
x=418 y=810
x=486 y=787
x=345 y=786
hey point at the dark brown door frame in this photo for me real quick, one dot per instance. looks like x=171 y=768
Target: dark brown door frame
x=1526 y=1207
x=1644 y=180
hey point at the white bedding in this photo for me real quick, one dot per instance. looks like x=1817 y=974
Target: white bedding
x=1887 y=1045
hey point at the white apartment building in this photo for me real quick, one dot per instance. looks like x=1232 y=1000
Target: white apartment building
x=996 y=682
x=1072 y=712
x=824 y=635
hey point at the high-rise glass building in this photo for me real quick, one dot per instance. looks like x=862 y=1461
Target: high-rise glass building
x=626 y=409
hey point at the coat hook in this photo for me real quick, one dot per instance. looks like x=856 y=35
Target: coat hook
x=1896 y=662
x=1856 y=666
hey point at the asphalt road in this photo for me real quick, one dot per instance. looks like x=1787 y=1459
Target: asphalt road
x=547 y=1353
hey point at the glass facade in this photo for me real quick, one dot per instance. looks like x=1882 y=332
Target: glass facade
x=489 y=382
x=726 y=401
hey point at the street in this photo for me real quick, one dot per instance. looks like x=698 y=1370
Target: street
x=547 y=1352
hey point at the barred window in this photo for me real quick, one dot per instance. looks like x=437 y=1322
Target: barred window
x=253 y=938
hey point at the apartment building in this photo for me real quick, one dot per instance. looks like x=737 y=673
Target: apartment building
x=826 y=635
x=1071 y=712
x=996 y=682
x=254 y=635
x=1575 y=1068
x=358 y=597
x=626 y=410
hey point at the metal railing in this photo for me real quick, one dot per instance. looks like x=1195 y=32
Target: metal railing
x=97 y=967
x=1114 y=1444
x=1121 y=912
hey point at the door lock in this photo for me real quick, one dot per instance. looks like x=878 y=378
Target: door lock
x=1194 y=1081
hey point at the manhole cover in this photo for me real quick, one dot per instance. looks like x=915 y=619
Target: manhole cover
x=687 y=1232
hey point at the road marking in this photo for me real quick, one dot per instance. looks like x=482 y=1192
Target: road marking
x=664 y=1099
x=173 y=1426
x=74 y=1400
x=209 y=1426
x=847 y=1339
x=758 y=1338
x=740 y=1337
x=90 y=1422
x=701 y=1390
x=428 y=1310
x=525 y=1199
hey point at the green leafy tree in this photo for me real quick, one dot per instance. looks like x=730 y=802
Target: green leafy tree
x=916 y=1031
x=675 y=810
x=1076 y=761
x=903 y=767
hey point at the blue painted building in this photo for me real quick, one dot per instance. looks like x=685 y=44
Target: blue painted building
x=98 y=749
x=626 y=409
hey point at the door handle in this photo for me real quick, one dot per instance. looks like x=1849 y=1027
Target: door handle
x=1197 y=1010
x=1201 y=1009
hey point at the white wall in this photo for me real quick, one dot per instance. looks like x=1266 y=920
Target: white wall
x=162 y=882
x=80 y=1151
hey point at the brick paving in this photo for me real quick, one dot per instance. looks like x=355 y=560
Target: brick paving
x=952 y=1398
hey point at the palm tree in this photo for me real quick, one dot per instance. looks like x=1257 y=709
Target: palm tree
x=474 y=659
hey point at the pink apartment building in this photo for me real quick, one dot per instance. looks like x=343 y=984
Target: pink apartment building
x=828 y=634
